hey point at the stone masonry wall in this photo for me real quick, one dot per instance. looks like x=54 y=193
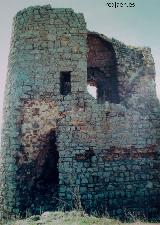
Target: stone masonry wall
x=102 y=155
x=45 y=41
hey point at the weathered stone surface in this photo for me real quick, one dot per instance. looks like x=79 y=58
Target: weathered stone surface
x=63 y=149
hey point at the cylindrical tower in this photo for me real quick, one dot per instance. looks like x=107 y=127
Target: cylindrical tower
x=48 y=53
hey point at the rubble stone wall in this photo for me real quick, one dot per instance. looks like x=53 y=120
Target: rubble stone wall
x=105 y=155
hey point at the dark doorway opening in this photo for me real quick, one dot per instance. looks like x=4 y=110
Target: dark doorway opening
x=38 y=180
x=45 y=187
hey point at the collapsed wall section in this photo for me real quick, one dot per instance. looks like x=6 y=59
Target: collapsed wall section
x=136 y=75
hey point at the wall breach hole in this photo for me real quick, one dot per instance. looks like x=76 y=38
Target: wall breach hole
x=102 y=68
x=92 y=89
x=46 y=176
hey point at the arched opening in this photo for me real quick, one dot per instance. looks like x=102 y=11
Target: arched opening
x=102 y=68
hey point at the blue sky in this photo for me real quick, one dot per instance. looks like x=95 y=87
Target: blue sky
x=137 y=26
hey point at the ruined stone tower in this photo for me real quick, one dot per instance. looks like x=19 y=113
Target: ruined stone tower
x=60 y=144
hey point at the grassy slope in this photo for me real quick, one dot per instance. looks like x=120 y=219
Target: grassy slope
x=69 y=218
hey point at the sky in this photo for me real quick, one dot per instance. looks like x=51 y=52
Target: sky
x=137 y=26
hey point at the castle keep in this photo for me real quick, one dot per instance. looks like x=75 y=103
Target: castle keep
x=60 y=145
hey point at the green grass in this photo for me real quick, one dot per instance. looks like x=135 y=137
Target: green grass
x=69 y=218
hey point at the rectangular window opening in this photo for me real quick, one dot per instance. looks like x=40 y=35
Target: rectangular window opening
x=65 y=83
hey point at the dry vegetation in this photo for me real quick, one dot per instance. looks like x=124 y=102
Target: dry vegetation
x=71 y=218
